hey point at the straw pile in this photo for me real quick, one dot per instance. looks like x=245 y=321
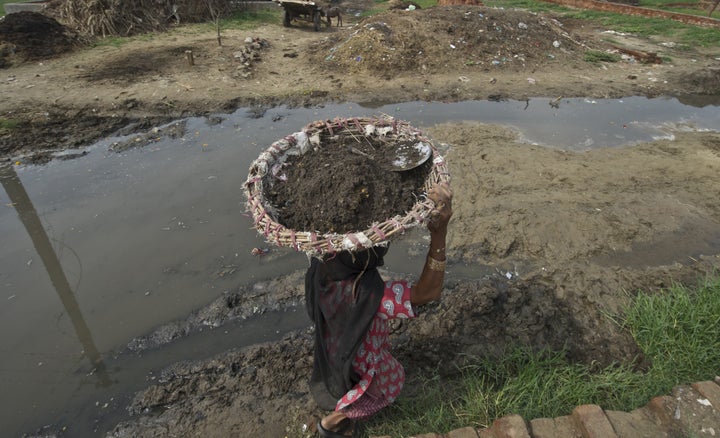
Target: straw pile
x=130 y=17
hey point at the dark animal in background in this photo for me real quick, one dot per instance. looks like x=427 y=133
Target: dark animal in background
x=334 y=12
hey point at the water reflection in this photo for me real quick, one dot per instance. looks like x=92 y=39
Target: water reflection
x=31 y=221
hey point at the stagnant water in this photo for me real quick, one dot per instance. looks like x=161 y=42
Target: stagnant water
x=103 y=248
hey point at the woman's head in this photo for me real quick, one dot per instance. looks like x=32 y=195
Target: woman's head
x=341 y=265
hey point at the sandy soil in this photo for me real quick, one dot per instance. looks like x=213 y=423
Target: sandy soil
x=570 y=236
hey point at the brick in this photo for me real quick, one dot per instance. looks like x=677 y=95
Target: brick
x=465 y=432
x=543 y=428
x=510 y=426
x=485 y=433
x=566 y=426
x=709 y=390
x=560 y=427
x=592 y=422
x=661 y=407
x=640 y=423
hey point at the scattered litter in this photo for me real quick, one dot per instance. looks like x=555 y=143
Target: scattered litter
x=556 y=44
x=259 y=251
x=531 y=80
x=452 y=46
x=522 y=25
x=613 y=32
x=704 y=402
x=464 y=79
x=508 y=275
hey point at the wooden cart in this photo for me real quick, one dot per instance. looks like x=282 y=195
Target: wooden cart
x=302 y=10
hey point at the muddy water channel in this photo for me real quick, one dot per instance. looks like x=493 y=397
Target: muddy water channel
x=103 y=248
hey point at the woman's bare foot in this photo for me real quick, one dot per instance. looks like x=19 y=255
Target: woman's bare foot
x=336 y=424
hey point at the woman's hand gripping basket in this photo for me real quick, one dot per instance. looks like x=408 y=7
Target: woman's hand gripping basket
x=264 y=171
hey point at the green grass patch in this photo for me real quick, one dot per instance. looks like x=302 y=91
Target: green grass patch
x=678 y=330
x=647 y=27
x=687 y=7
x=249 y=20
x=638 y=25
x=597 y=56
x=2 y=5
x=382 y=6
x=8 y=124
x=424 y=4
x=530 y=5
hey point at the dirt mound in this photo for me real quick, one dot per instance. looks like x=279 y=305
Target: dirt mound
x=29 y=36
x=456 y=38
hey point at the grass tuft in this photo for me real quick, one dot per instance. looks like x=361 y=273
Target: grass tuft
x=597 y=56
x=8 y=125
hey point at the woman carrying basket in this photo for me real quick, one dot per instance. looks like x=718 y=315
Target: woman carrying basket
x=354 y=374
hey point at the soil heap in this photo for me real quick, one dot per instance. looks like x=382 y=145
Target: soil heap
x=30 y=36
x=344 y=186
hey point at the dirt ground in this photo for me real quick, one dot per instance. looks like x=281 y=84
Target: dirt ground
x=569 y=237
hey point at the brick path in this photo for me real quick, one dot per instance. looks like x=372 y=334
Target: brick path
x=691 y=411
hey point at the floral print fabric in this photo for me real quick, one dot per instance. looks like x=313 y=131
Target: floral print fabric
x=382 y=376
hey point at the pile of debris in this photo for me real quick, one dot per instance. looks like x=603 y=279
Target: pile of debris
x=457 y=38
x=249 y=54
x=32 y=36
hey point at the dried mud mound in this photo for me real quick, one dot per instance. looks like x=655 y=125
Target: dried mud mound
x=29 y=36
x=449 y=38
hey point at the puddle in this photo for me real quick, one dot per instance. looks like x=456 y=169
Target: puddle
x=105 y=247
x=694 y=239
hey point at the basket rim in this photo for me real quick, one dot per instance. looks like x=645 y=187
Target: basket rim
x=316 y=243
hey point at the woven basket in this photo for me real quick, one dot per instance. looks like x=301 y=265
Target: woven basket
x=316 y=243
